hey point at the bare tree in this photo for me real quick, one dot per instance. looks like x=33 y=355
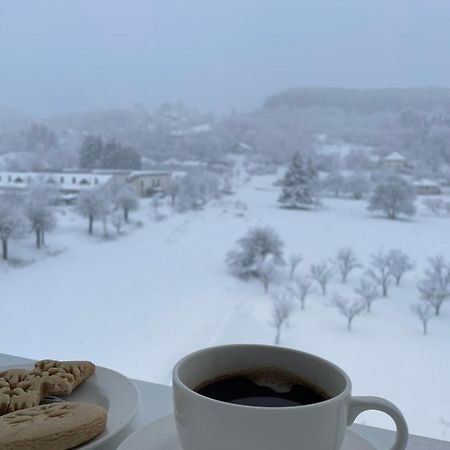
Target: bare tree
x=423 y=312
x=93 y=204
x=294 y=260
x=432 y=293
x=345 y=261
x=12 y=224
x=368 y=292
x=322 y=274
x=348 y=309
x=282 y=308
x=127 y=200
x=399 y=264
x=380 y=271
x=301 y=288
x=435 y=287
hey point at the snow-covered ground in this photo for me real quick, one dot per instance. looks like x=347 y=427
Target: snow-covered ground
x=140 y=302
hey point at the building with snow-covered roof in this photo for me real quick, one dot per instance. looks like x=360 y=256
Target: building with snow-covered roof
x=427 y=187
x=70 y=182
x=395 y=161
x=148 y=182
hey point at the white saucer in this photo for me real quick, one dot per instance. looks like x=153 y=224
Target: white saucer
x=162 y=435
x=109 y=389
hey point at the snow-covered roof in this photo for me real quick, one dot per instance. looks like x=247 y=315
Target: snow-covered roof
x=426 y=183
x=145 y=173
x=62 y=180
x=196 y=129
x=395 y=156
x=244 y=146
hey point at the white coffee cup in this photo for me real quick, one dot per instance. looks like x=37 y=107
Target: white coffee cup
x=207 y=424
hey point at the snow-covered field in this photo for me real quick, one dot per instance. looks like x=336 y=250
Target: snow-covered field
x=140 y=302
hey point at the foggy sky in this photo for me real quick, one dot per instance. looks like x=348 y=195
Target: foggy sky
x=71 y=55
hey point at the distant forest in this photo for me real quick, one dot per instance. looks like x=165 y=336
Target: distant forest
x=414 y=122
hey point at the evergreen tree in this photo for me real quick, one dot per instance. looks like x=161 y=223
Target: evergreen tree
x=298 y=184
x=91 y=152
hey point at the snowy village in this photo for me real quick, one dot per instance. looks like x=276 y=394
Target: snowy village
x=135 y=232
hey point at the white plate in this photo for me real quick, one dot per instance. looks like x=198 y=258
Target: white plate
x=162 y=435
x=109 y=389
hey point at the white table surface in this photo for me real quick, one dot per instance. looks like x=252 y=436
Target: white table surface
x=156 y=402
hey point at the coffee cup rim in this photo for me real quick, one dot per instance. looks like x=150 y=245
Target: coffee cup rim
x=345 y=392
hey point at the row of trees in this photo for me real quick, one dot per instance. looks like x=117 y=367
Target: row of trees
x=109 y=206
x=193 y=190
x=97 y=154
x=259 y=254
x=31 y=213
x=35 y=212
x=392 y=195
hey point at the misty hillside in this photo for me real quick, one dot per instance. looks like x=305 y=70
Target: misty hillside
x=413 y=122
x=363 y=101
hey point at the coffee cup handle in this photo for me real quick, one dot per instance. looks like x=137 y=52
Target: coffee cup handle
x=361 y=404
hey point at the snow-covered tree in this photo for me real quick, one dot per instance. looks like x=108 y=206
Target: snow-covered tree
x=380 y=271
x=173 y=189
x=282 y=308
x=156 y=206
x=348 y=309
x=298 y=185
x=38 y=211
x=91 y=152
x=94 y=205
x=345 y=261
x=300 y=289
x=266 y=269
x=357 y=185
x=368 y=292
x=257 y=244
x=435 y=287
x=127 y=200
x=196 y=189
x=117 y=220
x=433 y=294
x=399 y=264
x=424 y=313
x=42 y=220
x=335 y=183
x=321 y=273
x=435 y=205
x=12 y=224
x=394 y=196
x=294 y=260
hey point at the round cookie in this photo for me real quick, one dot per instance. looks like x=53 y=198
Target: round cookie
x=59 y=426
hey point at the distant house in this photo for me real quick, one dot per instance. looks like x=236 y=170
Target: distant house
x=146 y=183
x=395 y=161
x=427 y=187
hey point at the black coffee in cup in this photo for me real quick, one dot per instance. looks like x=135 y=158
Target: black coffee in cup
x=263 y=387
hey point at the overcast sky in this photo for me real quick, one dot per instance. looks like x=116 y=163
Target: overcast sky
x=70 y=55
